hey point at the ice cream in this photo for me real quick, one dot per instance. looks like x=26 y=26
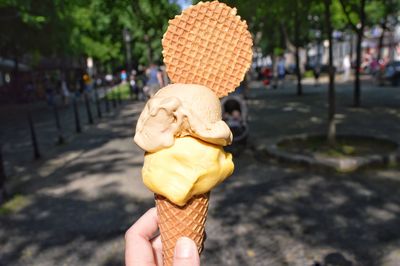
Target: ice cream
x=182 y=132
x=179 y=110
x=190 y=167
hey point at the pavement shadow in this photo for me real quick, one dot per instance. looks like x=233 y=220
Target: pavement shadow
x=71 y=222
x=358 y=216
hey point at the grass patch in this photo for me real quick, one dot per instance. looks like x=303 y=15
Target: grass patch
x=122 y=90
x=346 y=146
x=308 y=74
x=13 y=205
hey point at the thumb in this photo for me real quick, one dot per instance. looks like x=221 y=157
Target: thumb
x=186 y=253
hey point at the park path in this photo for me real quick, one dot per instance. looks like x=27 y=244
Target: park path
x=15 y=135
x=75 y=206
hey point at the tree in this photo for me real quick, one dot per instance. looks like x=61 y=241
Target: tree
x=354 y=11
x=331 y=70
x=149 y=25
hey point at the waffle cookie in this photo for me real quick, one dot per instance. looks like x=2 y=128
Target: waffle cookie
x=208 y=44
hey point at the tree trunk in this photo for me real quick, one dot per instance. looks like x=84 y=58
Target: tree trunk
x=381 y=38
x=360 y=34
x=351 y=47
x=297 y=43
x=2 y=177
x=15 y=79
x=357 y=89
x=331 y=91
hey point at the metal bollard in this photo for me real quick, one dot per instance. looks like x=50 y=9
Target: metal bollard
x=96 y=98
x=88 y=110
x=3 y=192
x=119 y=95
x=106 y=101
x=61 y=139
x=114 y=101
x=36 y=153
x=131 y=92
x=77 y=119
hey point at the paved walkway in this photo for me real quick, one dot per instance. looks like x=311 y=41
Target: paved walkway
x=75 y=206
x=16 y=137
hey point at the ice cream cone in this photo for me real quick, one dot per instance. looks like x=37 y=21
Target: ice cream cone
x=176 y=221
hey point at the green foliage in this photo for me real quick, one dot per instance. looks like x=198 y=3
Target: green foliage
x=84 y=28
x=94 y=28
x=122 y=91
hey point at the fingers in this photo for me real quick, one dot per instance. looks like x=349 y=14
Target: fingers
x=157 y=250
x=186 y=253
x=138 y=249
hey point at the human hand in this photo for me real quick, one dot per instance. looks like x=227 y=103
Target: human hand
x=143 y=248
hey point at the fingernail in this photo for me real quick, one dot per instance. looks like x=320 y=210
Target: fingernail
x=185 y=248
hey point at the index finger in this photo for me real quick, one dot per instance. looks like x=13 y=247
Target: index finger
x=138 y=249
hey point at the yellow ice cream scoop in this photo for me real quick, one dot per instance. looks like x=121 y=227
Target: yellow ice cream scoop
x=187 y=168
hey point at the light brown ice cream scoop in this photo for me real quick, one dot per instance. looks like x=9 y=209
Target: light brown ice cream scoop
x=179 y=110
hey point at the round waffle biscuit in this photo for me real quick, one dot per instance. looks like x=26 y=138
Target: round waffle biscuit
x=208 y=44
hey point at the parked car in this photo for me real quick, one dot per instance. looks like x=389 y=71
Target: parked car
x=390 y=73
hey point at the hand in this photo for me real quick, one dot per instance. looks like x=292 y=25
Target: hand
x=143 y=248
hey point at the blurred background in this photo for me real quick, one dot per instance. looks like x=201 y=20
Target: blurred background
x=316 y=126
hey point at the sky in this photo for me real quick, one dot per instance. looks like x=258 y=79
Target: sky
x=184 y=3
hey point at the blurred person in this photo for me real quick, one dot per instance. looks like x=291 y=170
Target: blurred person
x=133 y=85
x=281 y=71
x=154 y=81
x=88 y=86
x=49 y=89
x=374 y=66
x=64 y=92
x=123 y=76
x=165 y=79
x=109 y=79
x=29 y=91
x=317 y=73
x=346 y=68
x=267 y=75
x=144 y=248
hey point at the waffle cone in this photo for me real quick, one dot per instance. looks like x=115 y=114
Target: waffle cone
x=176 y=221
x=209 y=45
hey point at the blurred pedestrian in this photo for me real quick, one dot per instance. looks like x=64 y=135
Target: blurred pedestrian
x=49 y=92
x=154 y=81
x=64 y=92
x=346 y=68
x=29 y=91
x=133 y=85
x=317 y=73
x=281 y=71
x=88 y=86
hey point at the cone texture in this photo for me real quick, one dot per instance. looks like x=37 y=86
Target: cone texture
x=208 y=44
x=176 y=221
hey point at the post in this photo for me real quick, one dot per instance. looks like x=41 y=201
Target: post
x=114 y=101
x=297 y=44
x=88 y=110
x=127 y=39
x=130 y=89
x=77 y=119
x=331 y=90
x=96 y=97
x=106 y=101
x=119 y=95
x=3 y=192
x=36 y=153
x=58 y=125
